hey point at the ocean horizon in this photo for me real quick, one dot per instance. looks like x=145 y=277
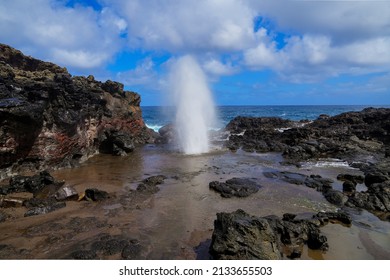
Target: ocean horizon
x=156 y=117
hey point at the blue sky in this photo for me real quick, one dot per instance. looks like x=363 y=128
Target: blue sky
x=254 y=52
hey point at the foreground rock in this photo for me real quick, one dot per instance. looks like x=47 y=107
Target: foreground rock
x=376 y=199
x=240 y=236
x=240 y=187
x=107 y=245
x=50 y=119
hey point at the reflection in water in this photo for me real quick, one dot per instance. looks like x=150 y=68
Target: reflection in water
x=177 y=222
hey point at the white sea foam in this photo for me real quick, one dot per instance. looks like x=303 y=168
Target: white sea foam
x=327 y=163
x=154 y=127
x=195 y=110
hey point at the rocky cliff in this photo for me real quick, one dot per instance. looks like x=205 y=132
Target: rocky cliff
x=49 y=118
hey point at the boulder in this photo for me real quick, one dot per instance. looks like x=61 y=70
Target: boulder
x=240 y=236
x=336 y=197
x=377 y=177
x=96 y=195
x=376 y=198
x=240 y=187
x=32 y=184
x=66 y=193
x=349 y=186
x=167 y=134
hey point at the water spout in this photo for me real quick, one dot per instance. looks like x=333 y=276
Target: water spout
x=195 y=110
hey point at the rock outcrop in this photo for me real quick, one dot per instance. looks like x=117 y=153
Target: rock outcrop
x=348 y=136
x=49 y=118
x=240 y=187
x=240 y=236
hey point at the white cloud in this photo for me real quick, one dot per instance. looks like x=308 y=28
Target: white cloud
x=143 y=74
x=77 y=37
x=78 y=58
x=187 y=25
x=325 y=38
x=215 y=67
x=344 y=21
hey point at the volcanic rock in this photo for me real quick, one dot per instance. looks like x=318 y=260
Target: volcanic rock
x=50 y=119
x=66 y=193
x=312 y=181
x=346 y=136
x=96 y=195
x=240 y=187
x=240 y=236
x=33 y=184
x=39 y=207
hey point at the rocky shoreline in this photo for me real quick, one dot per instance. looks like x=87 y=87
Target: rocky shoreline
x=360 y=138
x=49 y=119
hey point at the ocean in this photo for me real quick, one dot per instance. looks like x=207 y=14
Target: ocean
x=157 y=116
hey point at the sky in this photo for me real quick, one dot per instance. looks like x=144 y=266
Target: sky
x=253 y=52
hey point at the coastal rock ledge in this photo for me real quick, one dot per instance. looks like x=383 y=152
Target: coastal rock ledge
x=49 y=118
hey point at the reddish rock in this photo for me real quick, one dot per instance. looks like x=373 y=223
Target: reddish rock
x=49 y=118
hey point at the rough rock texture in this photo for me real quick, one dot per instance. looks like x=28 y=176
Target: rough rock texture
x=109 y=245
x=346 y=136
x=33 y=184
x=149 y=185
x=240 y=236
x=167 y=134
x=312 y=181
x=376 y=198
x=240 y=187
x=95 y=194
x=50 y=119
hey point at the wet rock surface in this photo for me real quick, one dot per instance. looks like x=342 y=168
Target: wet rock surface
x=32 y=184
x=66 y=193
x=50 y=119
x=149 y=185
x=312 y=181
x=167 y=134
x=376 y=199
x=345 y=136
x=109 y=245
x=95 y=194
x=239 y=187
x=240 y=236
x=45 y=209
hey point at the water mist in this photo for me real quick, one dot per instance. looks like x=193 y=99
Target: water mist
x=195 y=110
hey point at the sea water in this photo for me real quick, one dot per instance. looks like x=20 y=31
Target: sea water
x=155 y=116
